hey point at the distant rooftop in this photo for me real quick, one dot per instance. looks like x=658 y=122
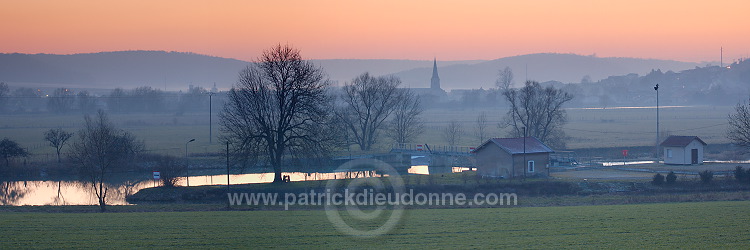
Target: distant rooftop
x=516 y=145
x=680 y=141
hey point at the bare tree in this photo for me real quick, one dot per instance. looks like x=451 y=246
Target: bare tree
x=452 y=133
x=4 y=93
x=10 y=149
x=146 y=99
x=171 y=168
x=86 y=102
x=368 y=102
x=27 y=99
x=482 y=124
x=278 y=107
x=195 y=99
x=739 y=125
x=99 y=151
x=504 y=79
x=61 y=100
x=406 y=124
x=116 y=101
x=57 y=139
x=539 y=110
x=586 y=79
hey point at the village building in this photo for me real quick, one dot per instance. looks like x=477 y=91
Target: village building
x=683 y=150
x=512 y=157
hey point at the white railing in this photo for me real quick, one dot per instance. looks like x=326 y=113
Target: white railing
x=430 y=148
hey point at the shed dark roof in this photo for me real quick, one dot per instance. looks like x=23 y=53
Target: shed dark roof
x=516 y=145
x=680 y=141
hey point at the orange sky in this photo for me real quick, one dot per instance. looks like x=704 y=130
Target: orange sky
x=683 y=30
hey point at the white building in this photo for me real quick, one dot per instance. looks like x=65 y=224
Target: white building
x=683 y=150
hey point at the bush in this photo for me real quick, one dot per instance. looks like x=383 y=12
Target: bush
x=706 y=176
x=742 y=175
x=739 y=174
x=671 y=178
x=658 y=180
x=172 y=168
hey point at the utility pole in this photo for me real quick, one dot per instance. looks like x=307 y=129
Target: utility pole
x=210 y=119
x=228 y=204
x=525 y=164
x=187 y=162
x=227 y=166
x=657 y=123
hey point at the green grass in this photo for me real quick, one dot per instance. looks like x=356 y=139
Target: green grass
x=666 y=225
x=167 y=133
x=162 y=133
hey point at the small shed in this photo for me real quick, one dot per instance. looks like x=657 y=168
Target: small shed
x=683 y=150
x=504 y=157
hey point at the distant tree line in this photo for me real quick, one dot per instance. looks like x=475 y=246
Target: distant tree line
x=143 y=99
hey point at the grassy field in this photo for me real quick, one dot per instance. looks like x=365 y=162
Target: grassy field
x=664 y=225
x=612 y=127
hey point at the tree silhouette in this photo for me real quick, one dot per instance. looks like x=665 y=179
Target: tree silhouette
x=278 y=107
x=10 y=149
x=57 y=139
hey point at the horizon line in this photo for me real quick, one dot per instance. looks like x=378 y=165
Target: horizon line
x=392 y=59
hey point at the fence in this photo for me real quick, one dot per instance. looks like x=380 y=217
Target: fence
x=432 y=148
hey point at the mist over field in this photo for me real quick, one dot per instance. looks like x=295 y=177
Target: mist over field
x=178 y=84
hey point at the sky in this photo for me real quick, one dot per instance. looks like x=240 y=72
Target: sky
x=683 y=30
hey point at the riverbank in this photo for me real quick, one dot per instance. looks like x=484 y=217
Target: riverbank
x=529 y=193
x=523 y=201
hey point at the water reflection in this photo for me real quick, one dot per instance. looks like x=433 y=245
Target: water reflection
x=268 y=177
x=621 y=163
x=427 y=170
x=10 y=194
x=19 y=193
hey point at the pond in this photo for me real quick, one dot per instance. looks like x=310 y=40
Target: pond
x=20 y=193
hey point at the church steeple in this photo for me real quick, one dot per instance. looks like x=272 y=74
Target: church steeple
x=435 y=81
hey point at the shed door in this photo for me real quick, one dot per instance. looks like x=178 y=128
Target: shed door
x=694 y=154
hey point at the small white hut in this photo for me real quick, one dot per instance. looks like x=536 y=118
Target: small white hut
x=683 y=150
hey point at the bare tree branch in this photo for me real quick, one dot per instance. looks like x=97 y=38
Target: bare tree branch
x=279 y=106
x=504 y=79
x=481 y=129
x=57 y=139
x=100 y=150
x=539 y=110
x=739 y=125
x=452 y=133
x=368 y=102
x=406 y=124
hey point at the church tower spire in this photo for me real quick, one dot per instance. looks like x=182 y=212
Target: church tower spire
x=435 y=81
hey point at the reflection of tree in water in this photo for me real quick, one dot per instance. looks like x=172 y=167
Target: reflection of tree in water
x=58 y=200
x=117 y=191
x=11 y=192
x=128 y=188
